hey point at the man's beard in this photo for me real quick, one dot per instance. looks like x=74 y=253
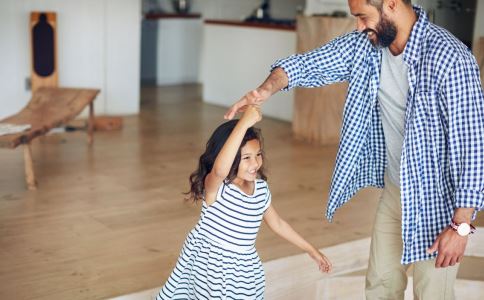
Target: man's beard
x=385 y=33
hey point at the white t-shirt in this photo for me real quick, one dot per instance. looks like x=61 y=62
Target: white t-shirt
x=392 y=97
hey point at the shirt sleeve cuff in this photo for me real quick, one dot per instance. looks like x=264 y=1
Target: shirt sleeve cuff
x=465 y=198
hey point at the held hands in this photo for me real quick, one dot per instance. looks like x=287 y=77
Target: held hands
x=252 y=115
x=450 y=246
x=323 y=262
x=254 y=97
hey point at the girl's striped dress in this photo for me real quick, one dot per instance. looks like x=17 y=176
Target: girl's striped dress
x=218 y=259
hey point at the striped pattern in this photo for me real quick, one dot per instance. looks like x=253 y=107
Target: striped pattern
x=218 y=259
x=442 y=163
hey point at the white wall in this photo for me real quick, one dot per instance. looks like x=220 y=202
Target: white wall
x=170 y=50
x=236 y=60
x=122 y=53
x=98 y=44
x=325 y=6
x=179 y=47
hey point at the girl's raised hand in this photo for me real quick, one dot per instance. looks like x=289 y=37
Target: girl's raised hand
x=323 y=262
x=254 y=97
x=251 y=115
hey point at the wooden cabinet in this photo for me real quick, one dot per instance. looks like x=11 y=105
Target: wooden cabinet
x=318 y=111
x=479 y=54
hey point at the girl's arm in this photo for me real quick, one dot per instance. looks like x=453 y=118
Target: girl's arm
x=284 y=230
x=225 y=158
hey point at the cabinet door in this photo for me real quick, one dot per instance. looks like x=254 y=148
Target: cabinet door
x=318 y=112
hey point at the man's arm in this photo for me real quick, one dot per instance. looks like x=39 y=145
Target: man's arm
x=463 y=96
x=464 y=100
x=327 y=64
x=275 y=82
x=463 y=215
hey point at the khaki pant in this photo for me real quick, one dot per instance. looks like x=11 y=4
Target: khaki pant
x=386 y=277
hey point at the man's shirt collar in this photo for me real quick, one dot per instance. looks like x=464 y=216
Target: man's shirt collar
x=411 y=53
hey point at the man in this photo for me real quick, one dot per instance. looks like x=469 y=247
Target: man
x=413 y=124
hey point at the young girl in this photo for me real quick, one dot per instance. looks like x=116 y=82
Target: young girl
x=218 y=259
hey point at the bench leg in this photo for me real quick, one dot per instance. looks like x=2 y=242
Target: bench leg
x=29 y=168
x=90 y=124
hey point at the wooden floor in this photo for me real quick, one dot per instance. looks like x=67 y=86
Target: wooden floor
x=110 y=220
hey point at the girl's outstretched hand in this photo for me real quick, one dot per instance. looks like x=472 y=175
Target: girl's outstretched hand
x=323 y=262
x=252 y=115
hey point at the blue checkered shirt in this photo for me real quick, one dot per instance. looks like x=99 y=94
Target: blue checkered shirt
x=442 y=162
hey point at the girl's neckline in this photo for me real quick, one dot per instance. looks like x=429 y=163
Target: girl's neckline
x=242 y=191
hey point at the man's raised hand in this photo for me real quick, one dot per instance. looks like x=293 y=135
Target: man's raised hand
x=253 y=97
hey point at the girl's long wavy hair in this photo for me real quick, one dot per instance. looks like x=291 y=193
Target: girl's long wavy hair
x=207 y=159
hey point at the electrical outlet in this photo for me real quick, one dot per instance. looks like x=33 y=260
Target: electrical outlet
x=28 y=84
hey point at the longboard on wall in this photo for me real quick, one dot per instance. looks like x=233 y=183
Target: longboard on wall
x=43 y=47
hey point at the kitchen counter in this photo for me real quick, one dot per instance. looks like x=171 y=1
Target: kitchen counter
x=255 y=24
x=155 y=16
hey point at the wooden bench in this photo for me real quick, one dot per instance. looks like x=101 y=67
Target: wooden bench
x=49 y=107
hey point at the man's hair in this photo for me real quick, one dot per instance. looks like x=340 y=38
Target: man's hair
x=379 y=3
